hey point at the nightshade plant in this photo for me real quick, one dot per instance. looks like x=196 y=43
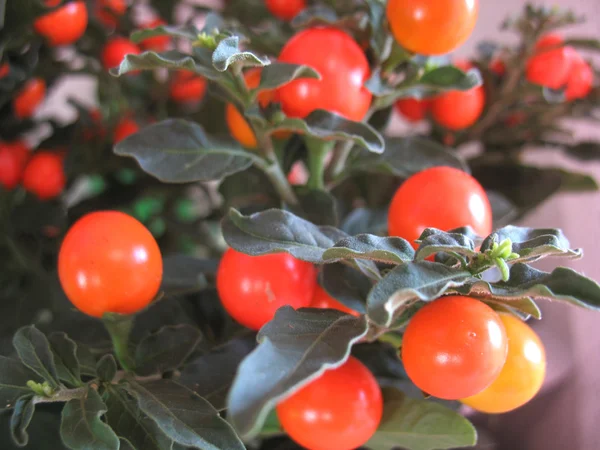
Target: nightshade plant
x=181 y=373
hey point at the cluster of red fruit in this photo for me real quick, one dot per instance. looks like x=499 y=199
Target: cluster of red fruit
x=553 y=65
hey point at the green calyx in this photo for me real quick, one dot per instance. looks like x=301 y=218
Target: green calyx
x=496 y=256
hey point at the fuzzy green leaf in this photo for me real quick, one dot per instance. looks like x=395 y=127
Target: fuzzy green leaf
x=433 y=241
x=178 y=151
x=329 y=126
x=451 y=78
x=20 y=420
x=562 y=284
x=346 y=284
x=409 y=283
x=278 y=74
x=14 y=376
x=34 y=350
x=390 y=250
x=420 y=425
x=107 y=368
x=165 y=350
x=170 y=59
x=81 y=425
x=275 y=231
x=183 y=416
x=295 y=348
x=404 y=157
x=189 y=32
x=228 y=52
x=65 y=358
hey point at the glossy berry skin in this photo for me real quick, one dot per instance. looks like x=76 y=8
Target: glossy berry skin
x=454 y=347
x=126 y=127
x=238 y=126
x=187 y=87
x=412 y=109
x=109 y=262
x=44 y=175
x=551 y=64
x=581 y=78
x=323 y=300
x=64 y=25
x=156 y=43
x=285 y=9
x=431 y=27
x=29 y=98
x=108 y=11
x=439 y=197
x=13 y=158
x=343 y=67
x=523 y=373
x=340 y=410
x=457 y=110
x=252 y=288
x=115 y=50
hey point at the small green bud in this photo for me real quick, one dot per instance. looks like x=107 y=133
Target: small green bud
x=206 y=40
x=503 y=267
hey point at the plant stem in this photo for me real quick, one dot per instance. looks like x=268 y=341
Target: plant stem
x=272 y=169
x=317 y=152
x=119 y=327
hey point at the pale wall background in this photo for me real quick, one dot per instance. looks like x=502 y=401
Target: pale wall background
x=566 y=415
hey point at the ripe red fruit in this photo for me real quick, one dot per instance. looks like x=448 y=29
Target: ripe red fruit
x=323 y=300
x=187 y=87
x=29 y=98
x=498 y=67
x=125 y=127
x=412 y=109
x=454 y=347
x=115 y=50
x=13 y=159
x=44 y=175
x=285 y=9
x=457 y=110
x=439 y=197
x=340 y=410
x=156 y=43
x=4 y=70
x=109 y=262
x=431 y=27
x=343 y=68
x=551 y=64
x=108 y=11
x=252 y=288
x=581 y=78
x=64 y=25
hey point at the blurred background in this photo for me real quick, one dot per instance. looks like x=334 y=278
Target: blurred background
x=566 y=414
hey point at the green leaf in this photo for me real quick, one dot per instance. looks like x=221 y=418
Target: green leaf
x=87 y=361
x=178 y=151
x=65 y=358
x=585 y=151
x=184 y=416
x=523 y=307
x=346 y=284
x=532 y=244
x=211 y=374
x=316 y=206
x=185 y=273
x=583 y=43
x=171 y=59
x=382 y=359
x=128 y=422
x=562 y=284
x=278 y=74
x=275 y=231
x=271 y=427
x=420 y=425
x=107 y=368
x=81 y=425
x=317 y=15
x=166 y=350
x=14 y=376
x=389 y=250
x=366 y=220
x=329 y=126
x=34 y=350
x=452 y=78
x=433 y=241
x=249 y=191
x=20 y=420
x=404 y=157
x=409 y=283
x=188 y=31
x=295 y=348
x=228 y=52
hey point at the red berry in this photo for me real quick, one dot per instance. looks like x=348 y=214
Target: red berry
x=126 y=127
x=64 y=25
x=115 y=50
x=412 y=109
x=156 y=43
x=44 y=175
x=581 y=78
x=551 y=64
